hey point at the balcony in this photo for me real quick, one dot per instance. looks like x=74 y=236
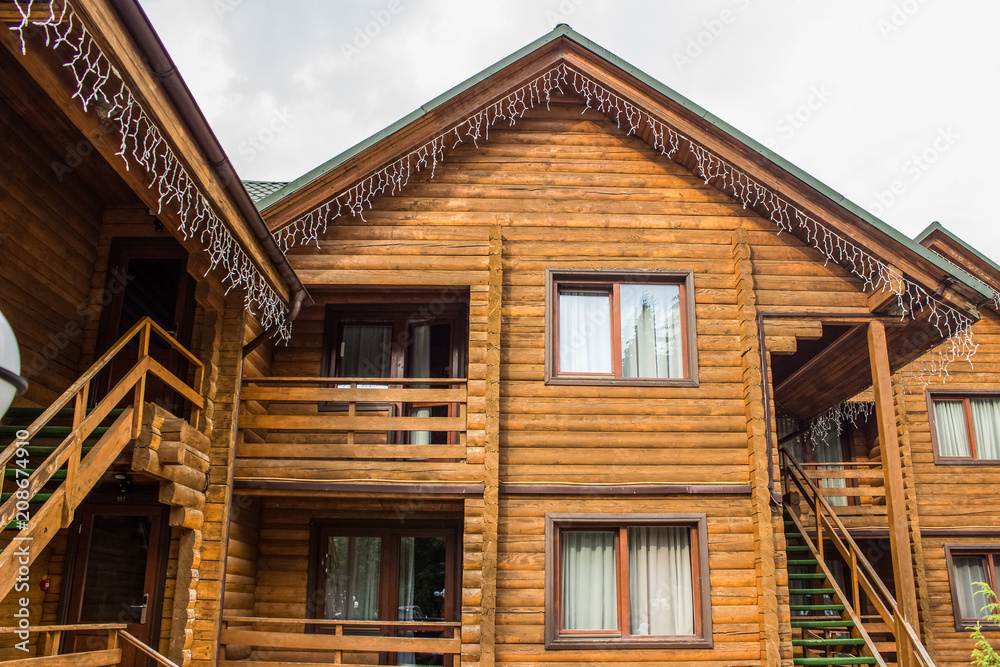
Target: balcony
x=353 y=430
x=854 y=490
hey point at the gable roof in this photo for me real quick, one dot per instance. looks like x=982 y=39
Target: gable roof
x=259 y=190
x=712 y=143
x=939 y=240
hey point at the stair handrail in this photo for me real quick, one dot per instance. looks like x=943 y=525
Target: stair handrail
x=863 y=575
x=70 y=449
x=80 y=387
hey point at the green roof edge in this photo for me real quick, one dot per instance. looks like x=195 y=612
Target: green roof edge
x=938 y=227
x=563 y=30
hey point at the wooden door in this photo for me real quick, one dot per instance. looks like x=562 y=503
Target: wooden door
x=146 y=277
x=119 y=568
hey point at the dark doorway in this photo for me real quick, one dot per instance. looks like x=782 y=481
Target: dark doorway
x=118 y=571
x=146 y=277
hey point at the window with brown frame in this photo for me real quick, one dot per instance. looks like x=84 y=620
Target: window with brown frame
x=620 y=328
x=369 y=570
x=626 y=581
x=967 y=567
x=965 y=429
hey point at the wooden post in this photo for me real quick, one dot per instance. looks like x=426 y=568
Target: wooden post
x=140 y=386
x=895 y=502
x=491 y=494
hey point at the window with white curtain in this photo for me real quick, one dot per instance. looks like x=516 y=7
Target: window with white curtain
x=969 y=567
x=636 y=580
x=966 y=427
x=620 y=327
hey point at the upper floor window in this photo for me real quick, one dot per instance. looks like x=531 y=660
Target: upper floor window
x=620 y=328
x=627 y=581
x=967 y=567
x=966 y=428
x=422 y=339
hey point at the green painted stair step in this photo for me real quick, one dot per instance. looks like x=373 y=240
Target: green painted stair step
x=806 y=575
x=846 y=641
x=811 y=591
x=816 y=607
x=803 y=561
x=17 y=473
x=49 y=431
x=825 y=623
x=37 y=498
x=845 y=660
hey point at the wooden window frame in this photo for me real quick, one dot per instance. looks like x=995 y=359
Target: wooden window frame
x=450 y=530
x=557 y=638
x=965 y=397
x=989 y=551
x=609 y=281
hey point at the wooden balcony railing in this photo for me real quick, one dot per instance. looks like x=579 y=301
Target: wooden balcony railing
x=375 y=419
x=853 y=489
x=271 y=642
x=120 y=644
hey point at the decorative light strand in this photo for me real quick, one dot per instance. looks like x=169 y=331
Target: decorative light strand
x=832 y=420
x=98 y=84
x=874 y=273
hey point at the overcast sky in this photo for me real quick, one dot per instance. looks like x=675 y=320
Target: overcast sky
x=893 y=103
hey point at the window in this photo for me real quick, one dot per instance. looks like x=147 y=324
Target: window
x=384 y=571
x=968 y=565
x=620 y=328
x=965 y=429
x=626 y=580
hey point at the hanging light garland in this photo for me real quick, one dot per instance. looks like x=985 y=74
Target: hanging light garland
x=855 y=411
x=99 y=85
x=875 y=274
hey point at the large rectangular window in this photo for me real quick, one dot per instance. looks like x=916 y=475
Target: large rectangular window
x=614 y=328
x=967 y=567
x=387 y=571
x=965 y=429
x=636 y=580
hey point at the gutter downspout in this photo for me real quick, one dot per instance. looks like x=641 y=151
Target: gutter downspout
x=162 y=67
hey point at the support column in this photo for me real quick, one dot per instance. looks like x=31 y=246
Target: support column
x=895 y=498
x=769 y=562
x=491 y=495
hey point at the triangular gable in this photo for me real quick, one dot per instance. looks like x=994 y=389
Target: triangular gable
x=892 y=268
x=964 y=257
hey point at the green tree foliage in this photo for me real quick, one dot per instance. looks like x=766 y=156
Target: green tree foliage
x=983 y=654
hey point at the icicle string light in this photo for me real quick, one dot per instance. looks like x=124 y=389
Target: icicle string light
x=875 y=274
x=833 y=420
x=98 y=84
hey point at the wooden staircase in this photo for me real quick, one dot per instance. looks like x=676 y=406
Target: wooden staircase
x=827 y=622
x=54 y=462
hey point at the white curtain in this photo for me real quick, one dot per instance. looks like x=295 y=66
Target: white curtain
x=365 y=351
x=829 y=450
x=986 y=426
x=352 y=577
x=661 y=595
x=420 y=367
x=584 y=332
x=589 y=592
x=952 y=436
x=406 y=585
x=968 y=571
x=651 y=331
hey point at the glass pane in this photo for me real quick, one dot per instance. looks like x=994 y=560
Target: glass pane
x=116 y=569
x=952 y=436
x=584 y=332
x=969 y=571
x=589 y=590
x=986 y=425
x=352 y=578
x=660 y=583
x=365 y=351
x=430 y=351
x=651 y=331
x=421 y=578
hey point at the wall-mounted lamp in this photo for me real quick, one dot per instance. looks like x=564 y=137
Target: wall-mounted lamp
x=11 y=383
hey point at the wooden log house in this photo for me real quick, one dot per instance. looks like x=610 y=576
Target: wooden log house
x=582 y=376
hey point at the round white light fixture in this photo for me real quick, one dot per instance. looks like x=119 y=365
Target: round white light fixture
x=11 y=383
